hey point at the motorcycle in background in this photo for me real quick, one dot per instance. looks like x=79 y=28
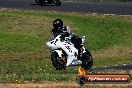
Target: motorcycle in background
x=42 y=2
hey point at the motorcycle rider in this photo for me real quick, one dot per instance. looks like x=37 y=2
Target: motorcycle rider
x=58 y=28
x=64 y=31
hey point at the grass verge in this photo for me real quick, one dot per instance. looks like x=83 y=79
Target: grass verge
x=25 y=57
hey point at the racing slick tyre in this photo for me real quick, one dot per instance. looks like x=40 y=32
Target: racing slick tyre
x=40 y=2
x=57 y=2
x=87 y=60
x=58 y=62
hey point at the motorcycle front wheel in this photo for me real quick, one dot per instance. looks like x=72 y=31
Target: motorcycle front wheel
x=58 y=63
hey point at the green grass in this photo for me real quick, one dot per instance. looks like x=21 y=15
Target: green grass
x=17 y=42
x=32 y=70
x=112 y=60
x=25 y=57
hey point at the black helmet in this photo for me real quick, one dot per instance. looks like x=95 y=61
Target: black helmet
x=58 y=23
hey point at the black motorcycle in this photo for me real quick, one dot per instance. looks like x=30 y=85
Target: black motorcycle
x=42 y=2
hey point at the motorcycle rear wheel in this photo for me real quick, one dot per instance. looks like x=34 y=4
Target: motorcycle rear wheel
x=57 y=2
x=87 y=60
x=58 y=62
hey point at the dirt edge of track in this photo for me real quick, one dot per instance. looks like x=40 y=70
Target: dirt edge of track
x=54 y=84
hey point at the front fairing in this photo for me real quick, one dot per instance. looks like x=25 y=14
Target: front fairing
x=54 y=44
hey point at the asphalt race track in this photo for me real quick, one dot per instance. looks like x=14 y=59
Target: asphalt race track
x=115 y=67
x=83 y=7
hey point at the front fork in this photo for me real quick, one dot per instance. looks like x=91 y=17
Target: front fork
x=62 y=56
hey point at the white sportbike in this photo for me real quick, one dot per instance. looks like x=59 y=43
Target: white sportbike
x=65 y=54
